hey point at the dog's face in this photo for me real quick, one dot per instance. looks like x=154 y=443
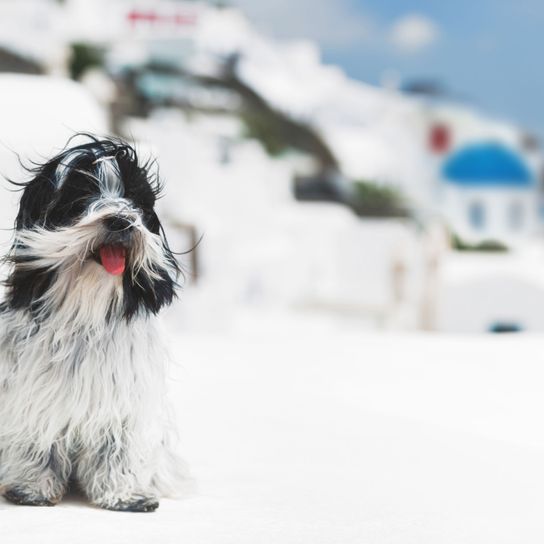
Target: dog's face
x=87 y=221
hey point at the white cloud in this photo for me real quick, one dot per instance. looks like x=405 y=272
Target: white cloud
x=331 y=23
x=413 y=33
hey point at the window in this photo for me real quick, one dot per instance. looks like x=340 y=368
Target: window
x=505 y=326
x=476 y=215
x=515 y=215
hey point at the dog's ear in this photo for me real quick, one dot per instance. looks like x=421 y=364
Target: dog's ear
x=38 y=195
x=147 y=294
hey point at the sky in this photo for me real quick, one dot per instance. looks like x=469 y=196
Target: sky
x=487 y=53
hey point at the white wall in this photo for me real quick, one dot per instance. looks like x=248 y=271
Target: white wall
x=37 y=116
x=455 y=203
x=479 y=290
x=264 y=250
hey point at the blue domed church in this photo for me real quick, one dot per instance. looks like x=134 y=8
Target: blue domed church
x=488 y=192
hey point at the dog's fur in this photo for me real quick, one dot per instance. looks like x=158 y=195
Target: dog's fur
x=82 y=364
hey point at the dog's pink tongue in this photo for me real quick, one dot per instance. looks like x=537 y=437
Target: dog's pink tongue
x=113 y=259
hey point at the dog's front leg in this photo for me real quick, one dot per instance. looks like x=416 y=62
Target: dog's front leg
x=111 y=476
x=34 y=478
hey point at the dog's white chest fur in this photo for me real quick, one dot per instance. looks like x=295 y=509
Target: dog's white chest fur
x=74 y=387
x=67 y=378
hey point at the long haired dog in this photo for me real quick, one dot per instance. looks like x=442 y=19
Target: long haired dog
x=82 y=377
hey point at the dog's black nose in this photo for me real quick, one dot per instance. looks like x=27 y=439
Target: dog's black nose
x=117 y=223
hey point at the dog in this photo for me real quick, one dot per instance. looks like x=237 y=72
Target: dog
x=82 y=362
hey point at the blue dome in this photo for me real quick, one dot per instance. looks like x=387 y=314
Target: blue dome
x=487 y=165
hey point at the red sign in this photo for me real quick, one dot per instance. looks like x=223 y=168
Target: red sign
x=439 y=138
x=136 y=17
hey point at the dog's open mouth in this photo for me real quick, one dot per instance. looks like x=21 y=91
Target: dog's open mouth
x=113 y=258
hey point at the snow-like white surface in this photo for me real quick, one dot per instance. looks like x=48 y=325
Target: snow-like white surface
x=340 y=438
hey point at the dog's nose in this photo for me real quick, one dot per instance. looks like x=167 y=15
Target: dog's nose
x=117 y=223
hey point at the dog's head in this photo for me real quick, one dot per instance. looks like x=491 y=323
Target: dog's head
x=87 y=234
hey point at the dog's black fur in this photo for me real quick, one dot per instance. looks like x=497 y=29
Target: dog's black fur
x=45 y=205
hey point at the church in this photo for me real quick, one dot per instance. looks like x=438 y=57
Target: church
x=488 y=192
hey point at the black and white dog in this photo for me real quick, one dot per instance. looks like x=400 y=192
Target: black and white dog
x=82 y=365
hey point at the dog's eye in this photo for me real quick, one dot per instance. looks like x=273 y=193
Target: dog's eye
x=144 y=199
x=151 y=221
x=75 y=207
x=66 y=211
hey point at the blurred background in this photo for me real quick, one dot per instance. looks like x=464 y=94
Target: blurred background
x=335 y=164
x=342 y=168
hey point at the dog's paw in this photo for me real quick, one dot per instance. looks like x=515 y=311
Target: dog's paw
x=133 y=504
x=24 y=497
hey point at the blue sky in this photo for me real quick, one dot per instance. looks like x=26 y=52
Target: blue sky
x=488 y=53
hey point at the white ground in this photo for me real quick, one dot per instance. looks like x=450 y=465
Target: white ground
x=298 y=437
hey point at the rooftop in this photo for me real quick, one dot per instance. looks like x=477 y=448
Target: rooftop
x=487 y=165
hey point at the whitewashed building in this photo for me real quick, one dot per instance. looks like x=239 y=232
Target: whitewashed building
x=488 y=192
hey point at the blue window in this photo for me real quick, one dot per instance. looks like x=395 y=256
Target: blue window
x=476 y=215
